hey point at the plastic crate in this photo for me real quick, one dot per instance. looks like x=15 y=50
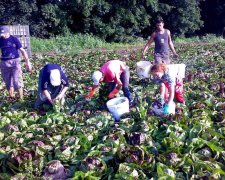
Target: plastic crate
x=23 y=34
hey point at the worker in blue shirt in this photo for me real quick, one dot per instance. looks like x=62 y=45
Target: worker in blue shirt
x=52 y=85
x=10 y=64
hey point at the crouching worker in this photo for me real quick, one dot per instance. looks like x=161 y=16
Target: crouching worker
x=116 y=74
x=52 y=85
x=171 y=85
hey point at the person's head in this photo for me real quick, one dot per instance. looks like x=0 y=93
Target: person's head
x=55 y=77
x=159 y=24
x=158 y=70
x=4 y=31
x=97 y=77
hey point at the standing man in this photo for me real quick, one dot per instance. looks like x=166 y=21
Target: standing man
x=163 y=42
x=10 y=62
x=116 y=74
x=52 y=85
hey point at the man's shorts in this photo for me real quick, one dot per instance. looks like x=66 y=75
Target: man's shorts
x=12 y=73
x=162 y=58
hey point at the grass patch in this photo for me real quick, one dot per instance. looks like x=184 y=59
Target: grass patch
x=76 y=43
x=208 y=38
x=68 y=43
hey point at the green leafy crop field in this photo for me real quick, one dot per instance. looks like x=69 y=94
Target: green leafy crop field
x=81 y=141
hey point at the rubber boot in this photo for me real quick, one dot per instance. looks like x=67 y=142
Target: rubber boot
x=127 y=94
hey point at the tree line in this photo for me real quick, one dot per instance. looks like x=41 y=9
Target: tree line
x=115 y=20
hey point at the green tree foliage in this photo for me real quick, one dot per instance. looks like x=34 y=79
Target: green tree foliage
x=113 y=20
x=182 y=17
x=16 y=11
x=119 y=20
x=213 y=15
x=54 y=18
x=45 y=18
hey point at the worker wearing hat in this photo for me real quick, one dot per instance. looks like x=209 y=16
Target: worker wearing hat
x=52 y=85
x=10 y=62
x=116 y=74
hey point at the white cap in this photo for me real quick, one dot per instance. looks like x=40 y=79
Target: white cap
x=97 y=75
x=3 y=30
x=55 y=78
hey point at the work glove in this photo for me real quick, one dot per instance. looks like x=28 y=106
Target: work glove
x=166 y=109
x=113 y=93
x=90 y=94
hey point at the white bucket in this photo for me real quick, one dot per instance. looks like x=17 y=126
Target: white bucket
x=177 y=69
x=171 y=109
x=118 y=106
x=143 y=68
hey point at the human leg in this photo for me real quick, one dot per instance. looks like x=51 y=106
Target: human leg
x=20 y=91
x=125 y=77
x=179 y=91
x=38 y=103
x=40 y=99
x=164 y=91
x=165 y=58
x=7 y=78
x=161 y=58
x=157 y=58
x=11 y=92
x=17 y=78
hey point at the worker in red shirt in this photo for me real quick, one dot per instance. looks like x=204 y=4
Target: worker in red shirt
x=116 y=74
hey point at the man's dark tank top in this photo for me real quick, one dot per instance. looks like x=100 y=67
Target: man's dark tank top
x=161 y=42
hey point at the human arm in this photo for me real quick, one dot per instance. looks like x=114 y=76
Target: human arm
x=170 y=77
x=27 y=61
x=171 y=94
x=44 y=83
x=62 y=93
x=116 y=90
x=147 y=46
x=170 y=42
x=169 y=104
x=64 y=84
x=48 y=96
x=64 y=79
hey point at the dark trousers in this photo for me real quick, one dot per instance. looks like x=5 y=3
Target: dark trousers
x=124 y=77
